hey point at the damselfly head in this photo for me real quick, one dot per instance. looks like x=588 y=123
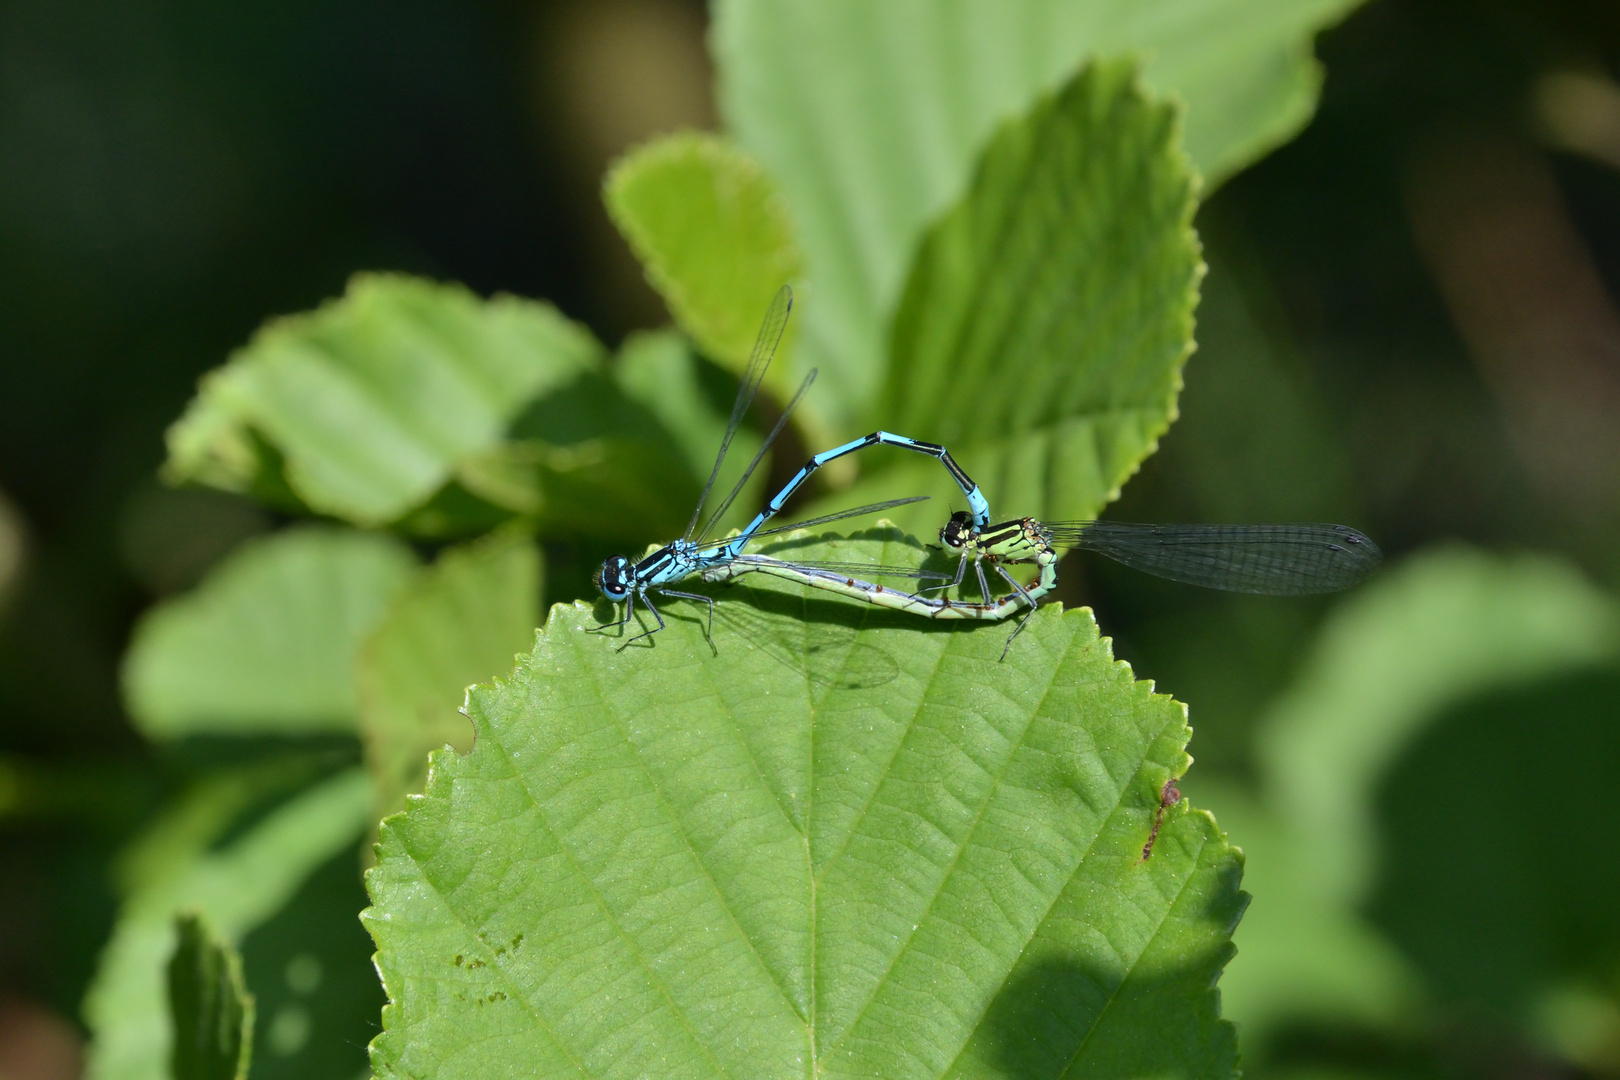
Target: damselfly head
x=614 y=578
x=957 y=533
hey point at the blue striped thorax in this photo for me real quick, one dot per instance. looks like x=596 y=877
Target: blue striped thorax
x=668 y=563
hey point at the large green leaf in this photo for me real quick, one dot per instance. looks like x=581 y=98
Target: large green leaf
x=851 y=843
x=236 y=887
x=1042 y=334
x=715 y=238
x=266 y=643
x=870 y=116
x=364 y=408
x=210 y=1008
x=460 y=622
x=1440 y=628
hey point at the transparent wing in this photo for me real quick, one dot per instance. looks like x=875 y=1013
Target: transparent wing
x=1276 y=560
x=859 y=511
x=764 y=448
x=869 y=508
x=770 y=334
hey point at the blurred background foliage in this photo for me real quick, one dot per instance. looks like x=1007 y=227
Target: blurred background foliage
x=1409 y=323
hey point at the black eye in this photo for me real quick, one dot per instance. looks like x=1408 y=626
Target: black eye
x=614 y=578
x=955 y=532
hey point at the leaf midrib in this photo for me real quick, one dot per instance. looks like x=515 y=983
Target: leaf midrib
x=678 y=825
x=956 y=856
x=899 y=745
x=776 y=800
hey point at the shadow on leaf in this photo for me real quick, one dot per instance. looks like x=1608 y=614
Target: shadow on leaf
x=1052 y=1020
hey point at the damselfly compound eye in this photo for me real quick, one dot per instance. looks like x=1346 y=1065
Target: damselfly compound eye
x=956 y=532
x=614 y=578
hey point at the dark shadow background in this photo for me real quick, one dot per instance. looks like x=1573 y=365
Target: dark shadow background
x=1411 y=326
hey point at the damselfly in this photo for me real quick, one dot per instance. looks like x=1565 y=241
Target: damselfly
x=622 y=579
x=1277 y=560
x=841 y=579
x=1271 y=560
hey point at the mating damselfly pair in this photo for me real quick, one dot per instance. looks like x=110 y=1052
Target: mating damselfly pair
x=1268 y=559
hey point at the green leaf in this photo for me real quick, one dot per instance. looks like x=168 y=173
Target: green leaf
x=1301 y=956
x=237 y=888
x=1439 y=628
x=715 y=238
x=659 y=371
x=266 y=643
x=315 y=987
x=1514 y=911
x=851 y=843
x=618 y=457
x=612 y=488
x=870 y=117
x=210 y=1007
x=1042 y=334
x=460 y=622
x=622 y=457
x=363 y=408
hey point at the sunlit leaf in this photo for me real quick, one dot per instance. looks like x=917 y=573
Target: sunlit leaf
x=460 y=622
x=851 y=843
x=870 y=117
x=210 y=1008
x=363 y=408
x=1042 y=333
x=715 y=238
x=266 y=643
x=236 y=888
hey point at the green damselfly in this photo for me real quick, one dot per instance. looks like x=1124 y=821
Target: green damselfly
x=1275 y=560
